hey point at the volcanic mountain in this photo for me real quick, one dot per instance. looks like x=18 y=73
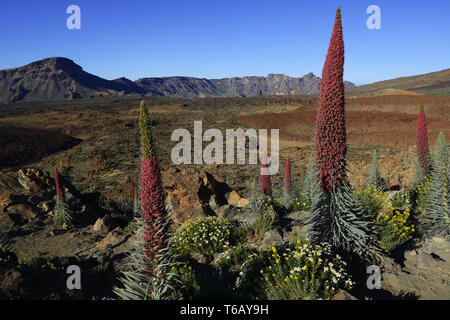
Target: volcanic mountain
x=55 y=79
x=61 y=78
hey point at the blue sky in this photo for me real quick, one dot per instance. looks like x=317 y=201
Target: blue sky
x=216 y=39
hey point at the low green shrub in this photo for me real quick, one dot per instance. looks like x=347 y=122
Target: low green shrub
x=401 y=199
x=371 y=198
x=207 y=236
x=188 y=288
x=394 y=228
x=234 y=256
x=292 y=272
x=301 y=203
x=263 y=223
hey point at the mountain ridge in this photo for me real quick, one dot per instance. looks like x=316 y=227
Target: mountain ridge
x=60 y=78
x=432 y=83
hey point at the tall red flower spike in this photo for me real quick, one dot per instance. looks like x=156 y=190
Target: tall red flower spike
x=422 y=139
x=287 y=177
x=266 y=185
x=151 y=196
x=330 y=136
x=59 y=190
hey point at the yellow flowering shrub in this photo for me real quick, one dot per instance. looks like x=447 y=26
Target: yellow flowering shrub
x=421 y=192
x=394 y=228
x=373 y=199
x=189 y=288
x=293 y=271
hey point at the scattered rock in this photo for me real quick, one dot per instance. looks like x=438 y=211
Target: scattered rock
x=200 y=258
x=271 y=237
x=113 y=237
x=425 y=274
x=227 y=211
x=246 y=219
x=101 y=225
x=192 y=193
x=25 y=212
x=236 y=200
x=7 y=223
x=6 y=198
x=343 y=295
x=45 y=206
x=35 y=181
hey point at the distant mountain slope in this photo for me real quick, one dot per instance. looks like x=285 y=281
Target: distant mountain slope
x=57 y=78
x=61 y=78
x=273 y=84
x=435 y=83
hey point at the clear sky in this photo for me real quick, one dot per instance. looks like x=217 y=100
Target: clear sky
x=217 y=39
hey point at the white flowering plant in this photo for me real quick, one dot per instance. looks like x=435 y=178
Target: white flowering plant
x=401 y=199
x=207 y=236
x=301 y=203
x=234 y=256
x=292 y=272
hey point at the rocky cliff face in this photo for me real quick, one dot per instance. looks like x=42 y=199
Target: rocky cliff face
x=273 y=84
x=60 y=78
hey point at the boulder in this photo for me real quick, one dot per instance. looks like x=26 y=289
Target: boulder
x=26 y=213
x=343 y=295
x=192 y=193
x=227 y=212
x=101 y=225
x=112 y=238
x=35 y=181
x=6 y=198
x=7 y=223
x=425 y=274
x=236 y=200
x=271 y=238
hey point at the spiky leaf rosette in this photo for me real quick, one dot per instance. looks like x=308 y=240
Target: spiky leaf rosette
x=151 y=194
x=330 y=135
x=436 y=220
x=423 y=150
x=136 y=284
x=374 y=179
x=339 y=218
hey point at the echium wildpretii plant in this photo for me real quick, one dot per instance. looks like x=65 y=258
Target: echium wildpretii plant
x=289 y=190
x=436 y=219
x=151 y=277
x=336 y=216
x=266 y=185
x=61 y=212
x=374 y=179
x=258 y=208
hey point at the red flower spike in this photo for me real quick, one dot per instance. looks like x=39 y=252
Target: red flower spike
x=330 y=138
x=266 y=185
x=59 y=190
